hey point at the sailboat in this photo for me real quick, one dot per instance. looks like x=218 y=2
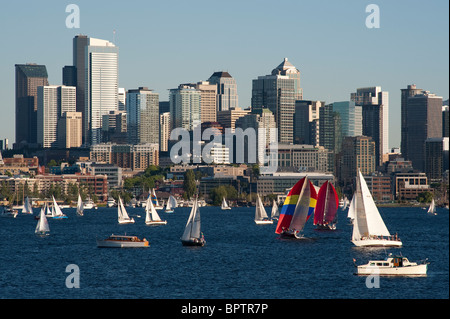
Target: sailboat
x=261 y=217
x=326 y=207
x=275 y=212
x=123 y=217
x=80 y=206
x=155 y=201
x=42 y=228
x=192 y=235
x=225 y=205
x=369 y=229
x=56 y=211
x=432 y=208
x=297 y=208
x=151 y=216
x=171 y=204
x=351 y=210
x=27 y=209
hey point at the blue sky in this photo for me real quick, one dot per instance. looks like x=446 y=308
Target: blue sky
x=165 y=43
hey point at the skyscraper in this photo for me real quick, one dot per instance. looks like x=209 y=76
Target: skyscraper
x=423 y=121
x=278 y=92
x=101 y=85
x=79 y=62
x=227 y=96
x=410 y=91
x=306 y=122
x=53 y=102
x=142 y=116
x=351 y=117
x=375 y=117
x=208 y=101
x=185 y=107
x=28 y=77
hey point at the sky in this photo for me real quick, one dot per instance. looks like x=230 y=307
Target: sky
x=165 y=43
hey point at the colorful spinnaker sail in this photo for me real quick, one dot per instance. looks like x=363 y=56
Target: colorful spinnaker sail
x=327 y=205
x=298 y=207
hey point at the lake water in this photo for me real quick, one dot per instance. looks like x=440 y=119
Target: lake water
x=241 y=260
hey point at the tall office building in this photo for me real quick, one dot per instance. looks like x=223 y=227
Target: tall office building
x=70 y=130
x=445 y=121
x=53 y=101
x=228 y=118
x=423 y=121
x=80 y=43
x=164 y=124
x=306 y=122
x=351 y=117
x=410 y=91
x=28 y=78
x=278 y=92
x=436 y=157
x=121 y=99
x=227 y=96
x=208 y=101
x=375 y=117
x=101 y=85
x=185 y=107
x=330 y=133
x=142 y=116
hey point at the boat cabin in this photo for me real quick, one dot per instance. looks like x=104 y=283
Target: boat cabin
x=124 y=238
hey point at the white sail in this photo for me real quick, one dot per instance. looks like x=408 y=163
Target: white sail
x=224 y=204
x=27 y=209
x=351 y=209
x=171 y=203
x=150 y=212
x=368 y=221
x=42 y=225
x=260 y=212
x=275 y=212
x=48 y=212
x=432 y=208
x=80 y=206
x=122 y=214
x=56 y=212
x=192 y=229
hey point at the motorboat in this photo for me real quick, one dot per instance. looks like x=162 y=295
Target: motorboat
x=122 y=241
x=393 y=266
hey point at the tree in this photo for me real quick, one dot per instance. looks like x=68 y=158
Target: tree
x=189 y=185
x=217 y=194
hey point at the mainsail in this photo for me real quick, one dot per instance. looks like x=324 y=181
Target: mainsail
x=122 y=213
x=260 y=212
x=42 y=225
x=327 y=205
x=27 y=209
x=150 y=212
x=80 y=206
x=368 y=221
x=171 y=203
x=192 y=229
x=275 y=213
x=298 y=206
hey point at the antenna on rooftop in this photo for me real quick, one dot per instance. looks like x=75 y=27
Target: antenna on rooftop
x=114 y=36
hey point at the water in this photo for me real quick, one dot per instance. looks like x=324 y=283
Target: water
x=241 y=260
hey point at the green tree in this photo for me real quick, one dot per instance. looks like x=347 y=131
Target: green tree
x=189 y=185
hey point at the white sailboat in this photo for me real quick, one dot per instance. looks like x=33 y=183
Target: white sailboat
x=225 y=205
x=151 y=215
x=171 y=204
x=123 y=217
x=56 y=211
x=192 y=235
x=27 y=209
x=432 y=208
x=42 y=228
x=369 y=229
x=275 y=212
x=80 y=206
x=261 y=217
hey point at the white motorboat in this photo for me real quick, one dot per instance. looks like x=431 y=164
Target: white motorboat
x=393 y=266
x=9 y=212
x=120 y=241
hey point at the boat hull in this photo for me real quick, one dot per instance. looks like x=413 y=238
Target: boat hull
x=263 y=222
x=193 y=242
x=326 y=227
x=121 y=244
x=156 y=223
x=130 y=221
x=377 y=243
x=226 y=208
x=416 y=270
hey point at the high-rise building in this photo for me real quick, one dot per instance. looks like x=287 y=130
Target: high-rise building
x=351 y=117
x=228 y=118
x=101 y=85
x=121 y=99
x=375 y=117
x=208 y=101
x=410 y=91
x=227 y=96
x=278 y=92
x=445 y=121
x=114 y=127
x=306 y=122
x=69 y=75
x=423 y=121
x=143 y=116
x=70 y=130
x=28 y=78
x=80 y=43
x=436 y=157
x=164 y=124
x=185 y=107
x=53 y=101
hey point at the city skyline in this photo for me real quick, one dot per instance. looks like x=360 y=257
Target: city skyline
x=330 y=44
